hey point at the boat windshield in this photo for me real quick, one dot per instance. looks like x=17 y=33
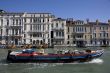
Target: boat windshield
x=27 y=51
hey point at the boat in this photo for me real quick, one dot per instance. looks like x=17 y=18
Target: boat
x=30 y=55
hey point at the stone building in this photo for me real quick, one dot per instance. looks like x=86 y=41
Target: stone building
x=44 y=28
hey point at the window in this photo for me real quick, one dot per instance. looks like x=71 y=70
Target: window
x=16 y=21
x=19 y=21
x=68 y=29
x=43 y=20
x=43 y=28
x=73 y=29
x=48 y=26
x=6 y=31
x=100 y=28
x=62 y=33
x=59 y=33
x=1 y=22
x=103 y=28
x=85 y=29
x=35 y=35
x=31 y=27
x=24 y=26
x=100 y=35
x=7 y=22
x=90 y=36
x=12 y=31
x=56 y=33
x=30 y=19
x=30 y=35
x=24 y=35
x=68 y=42
x=91 y=41
x=56 y=24
x=1 y=31
x=52 y=26
x=13 y=21
x=30 y=40
x=62 y=24
x=68 y=36
x=24 y=41
x=106 y=28
x=94 y=34
x=73 y=42
x=19 y=31
x=34 y=20
x=107 y=34
x=25 y=20
x=85 y=36
x=48 y=19
x=16 y=32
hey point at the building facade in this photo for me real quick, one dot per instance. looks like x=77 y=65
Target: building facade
x=88 y=33
x=25 y=28
x=44 y=28
x=58 y=32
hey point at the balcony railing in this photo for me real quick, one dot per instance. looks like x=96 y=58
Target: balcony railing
x=58 y=37
x=78 y=32
x=56 y=29
x=79 y=38
x=35 y=31
x=13 y=26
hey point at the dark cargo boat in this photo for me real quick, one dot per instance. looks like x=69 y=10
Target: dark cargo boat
x=29 y=55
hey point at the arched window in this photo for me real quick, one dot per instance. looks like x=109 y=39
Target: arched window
x=37 y=41
x=34 y=42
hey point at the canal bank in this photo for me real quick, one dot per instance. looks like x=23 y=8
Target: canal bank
x=100 y=65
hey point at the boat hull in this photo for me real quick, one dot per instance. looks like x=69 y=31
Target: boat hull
x=58 y=58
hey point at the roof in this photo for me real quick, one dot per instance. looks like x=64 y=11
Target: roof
x=99 y=23
x=59 y=19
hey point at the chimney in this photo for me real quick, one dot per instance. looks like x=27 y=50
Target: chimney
x=109 y=21
x=97 y=21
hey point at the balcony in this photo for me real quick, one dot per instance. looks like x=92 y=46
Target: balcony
x=58 y=29
x=78 y=32
x=16 y=26
x=59 y=38
x=79 y=38
x=7 y=26
x=16 y=36
x=35 y=31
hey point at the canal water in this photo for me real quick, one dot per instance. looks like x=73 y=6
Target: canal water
x=99 y=65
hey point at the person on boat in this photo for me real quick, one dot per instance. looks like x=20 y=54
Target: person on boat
x=41 y=51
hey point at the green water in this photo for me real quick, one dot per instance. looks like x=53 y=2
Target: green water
x=100 y=65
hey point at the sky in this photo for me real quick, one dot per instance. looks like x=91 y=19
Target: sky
x=76 y=9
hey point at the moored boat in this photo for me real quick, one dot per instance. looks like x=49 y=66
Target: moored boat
x=29 y=55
